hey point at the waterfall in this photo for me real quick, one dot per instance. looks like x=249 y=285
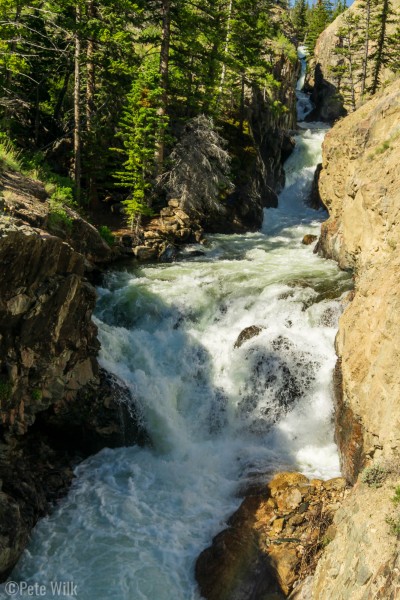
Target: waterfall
x=222 y=411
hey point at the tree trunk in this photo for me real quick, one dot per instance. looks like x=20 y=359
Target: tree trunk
x=366 y=47
x=77 y=108
x=7 y=120
x=37 y=115
x=242 y=90
x=164 y=72
x=62 y=94
x=351 y=72
x=226 y=47
x=90 y=71
x=90 y=105
x=380 y=45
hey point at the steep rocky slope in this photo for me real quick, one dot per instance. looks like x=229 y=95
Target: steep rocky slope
x=56 y=405
x=359 y=184
x=328 y=90
x=257 y=154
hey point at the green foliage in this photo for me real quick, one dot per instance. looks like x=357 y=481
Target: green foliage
x=140 y=130
x=107 y=235
x=396 y=497
x=300 y=18
x=36 y=395
x=348 y=69
x=319 y=17
x=58 y=219
x=393 y=520
x=9 y=157
x=394 y=524
x=218 y=51
x=374 y=476
x=5 y=389
x=286 y=47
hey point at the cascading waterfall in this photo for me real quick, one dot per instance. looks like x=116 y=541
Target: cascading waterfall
x=219 y=416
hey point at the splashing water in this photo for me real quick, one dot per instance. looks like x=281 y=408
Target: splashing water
x=219 y=416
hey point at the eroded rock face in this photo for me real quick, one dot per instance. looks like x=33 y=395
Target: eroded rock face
x=26 y=199
x=329 y=92
x=56 y=406
x=48 y=344
x=162 y=236
x=272 y=542
x=359 y=184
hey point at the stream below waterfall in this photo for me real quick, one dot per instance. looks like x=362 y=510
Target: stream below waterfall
x=220 y=417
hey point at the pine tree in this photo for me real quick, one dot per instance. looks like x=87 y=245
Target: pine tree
x=339 y=8
x=379 y=23
x=349 y=69
x=139 y=129
x=319 y=18
x=299 y=18
x=365 y=8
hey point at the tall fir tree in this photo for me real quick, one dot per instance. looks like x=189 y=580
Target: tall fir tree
x=140 y=125
x=319 y=18
x=381 y=18
x=300 y=18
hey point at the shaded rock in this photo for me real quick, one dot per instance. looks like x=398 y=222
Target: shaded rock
x=314 y=200
x=56 y=406
x=127 y=240
x=167 y=253
x=349 y=434
x=309 y=239
x=26 y=199
x=36 y=469
x=145 y=252
x=247 y=334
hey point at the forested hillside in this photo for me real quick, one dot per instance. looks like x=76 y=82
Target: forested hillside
x=101 y=90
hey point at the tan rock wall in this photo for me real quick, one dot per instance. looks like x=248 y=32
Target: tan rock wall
x=360 y=185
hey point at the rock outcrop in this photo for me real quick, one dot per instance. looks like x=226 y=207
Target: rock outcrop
x=56 y=405
x=161 y=237
x=359 y=184
x=273 y=541
x=329 y=86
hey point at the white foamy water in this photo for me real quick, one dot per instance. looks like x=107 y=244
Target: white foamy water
x=219 y=417
x=304 y=106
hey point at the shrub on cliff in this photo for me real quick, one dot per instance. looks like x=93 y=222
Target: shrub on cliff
x=374 y=476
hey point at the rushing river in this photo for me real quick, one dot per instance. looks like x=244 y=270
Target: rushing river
x=219 y=416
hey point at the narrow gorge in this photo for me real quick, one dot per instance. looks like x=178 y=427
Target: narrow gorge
x=199 y=391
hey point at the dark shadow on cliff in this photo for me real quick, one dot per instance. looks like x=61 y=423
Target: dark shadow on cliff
x=328 y=101
x=235 y=567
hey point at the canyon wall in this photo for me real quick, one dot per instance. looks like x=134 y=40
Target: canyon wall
x=56 y=404
x=359 y=184
x=330 y=90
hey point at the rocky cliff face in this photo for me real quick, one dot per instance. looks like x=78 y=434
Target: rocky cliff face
x=359 y=184
x=55 y=403
x=329 y=90
x=273 y=540
x=257 y=155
